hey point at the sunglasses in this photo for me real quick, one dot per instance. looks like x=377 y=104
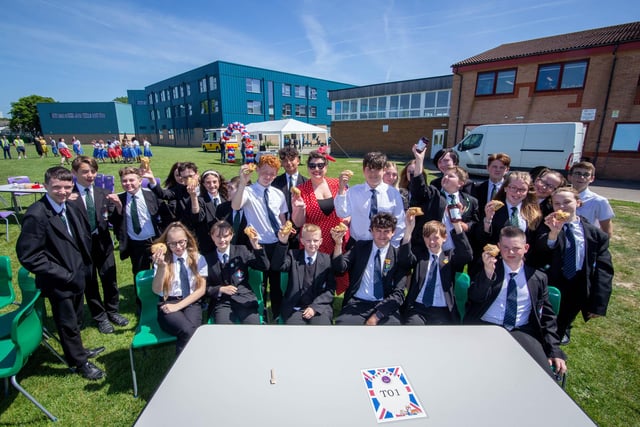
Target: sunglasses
x=316 y=165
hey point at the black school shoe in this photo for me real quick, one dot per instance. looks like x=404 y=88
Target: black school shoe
x=118 y=319
x=90 y=371
x=105 y=327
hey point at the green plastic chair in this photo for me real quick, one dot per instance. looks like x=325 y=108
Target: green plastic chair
x=27 y=284
x=255 y=282
x=554 y=298
x=461 y=290
x=7 y=294
x=25 y=337
x=148 y=332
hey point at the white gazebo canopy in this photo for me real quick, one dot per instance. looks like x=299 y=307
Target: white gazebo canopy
x=284 y=127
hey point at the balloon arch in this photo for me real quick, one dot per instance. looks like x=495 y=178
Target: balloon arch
x=248 y=146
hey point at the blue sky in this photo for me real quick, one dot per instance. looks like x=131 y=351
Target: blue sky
x=75 y=50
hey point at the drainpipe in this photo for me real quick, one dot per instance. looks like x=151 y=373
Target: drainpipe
x=606 y=104
x=455 y=133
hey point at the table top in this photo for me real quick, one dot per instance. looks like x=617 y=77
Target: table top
x=462 y=375
x=21 y=188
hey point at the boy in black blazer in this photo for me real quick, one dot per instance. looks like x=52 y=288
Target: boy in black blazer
x=431 y=299
x=55 y=245
x=513 y=295
x=230 y=295
x=376 y=280
x=583 y=274
x=308 y=297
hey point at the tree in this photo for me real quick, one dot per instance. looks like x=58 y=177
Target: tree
x=24 y=114
x=123 y=99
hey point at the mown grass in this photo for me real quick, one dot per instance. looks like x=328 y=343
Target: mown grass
x=604 y=376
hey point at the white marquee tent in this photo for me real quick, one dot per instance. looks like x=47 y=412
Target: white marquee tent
x=285 y=127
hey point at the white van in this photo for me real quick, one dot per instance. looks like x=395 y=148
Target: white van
x=554 y=145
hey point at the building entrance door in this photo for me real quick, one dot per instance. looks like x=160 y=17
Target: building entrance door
x=437 y=141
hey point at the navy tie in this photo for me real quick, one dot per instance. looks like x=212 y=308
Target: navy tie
x=494 y=189
x=135 y=216
x=309 y=260
x=91 y=209
x=272 y=217
x=225 y=259
x=237 y=217
x=378 y=292
x=569 y=265
x=184 y=279
x=512 y=303
x=373 y=207
x=429 y=290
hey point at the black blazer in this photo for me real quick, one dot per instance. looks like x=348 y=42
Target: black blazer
x=320 y=293
x=225 y=213
x=394 y=278
x=449 y=263
x=202 y=221
x=103 y=209
x=120 y=224
x=542 y=320
x=280 y=182
x=434 y=204
x=61 y=263
x=598 y=266
x=240 y=259
x=179 y=201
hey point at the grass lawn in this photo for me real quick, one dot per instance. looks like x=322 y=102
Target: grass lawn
x=604 y=370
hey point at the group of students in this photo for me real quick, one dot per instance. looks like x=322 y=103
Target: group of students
x=400 y=263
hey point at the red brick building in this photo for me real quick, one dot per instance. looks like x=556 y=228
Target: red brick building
x=590 y=76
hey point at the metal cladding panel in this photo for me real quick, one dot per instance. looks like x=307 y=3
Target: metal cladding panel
x=124 y=116
x=81 y=117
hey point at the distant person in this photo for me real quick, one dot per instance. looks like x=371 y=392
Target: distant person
x=65 y=154
x=18 y=142
x=290 y=160
x=55 y=245
x=545 y=184
x=497 y=166
x=223 y=151
x=390 y=176
x=6 y=147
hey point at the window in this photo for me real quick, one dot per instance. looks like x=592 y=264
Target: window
x=175 y=92
x=167 y=112
x=473 y=140
x=188 y=86
x=626 y=137
x=496 y=82
x=568 y=75
x=286 y=89
x=204 y=107
x=300 y=91
x=213 y=83
x=189 y=109
x=151 y=98
x=253 y=85
x=181 y=91
x=153 y=114
x=313 y=93
x=202 y=85
x=286 y=110
x=313 y=111
x=162 y=97
x=155 y=95
x=301 y=110
x=254 y=107
x=214 y=105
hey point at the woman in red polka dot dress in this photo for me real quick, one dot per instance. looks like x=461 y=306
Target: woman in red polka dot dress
x=314 y=205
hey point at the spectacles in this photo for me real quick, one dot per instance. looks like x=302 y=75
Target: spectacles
x=316 y=165
x=546 y=185
x=581 y=174
x=176 y=244
x=517 y=190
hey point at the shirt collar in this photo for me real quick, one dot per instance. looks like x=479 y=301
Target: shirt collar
x=56 y=207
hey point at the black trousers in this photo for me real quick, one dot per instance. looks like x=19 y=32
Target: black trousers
x=67 y=313
x=356 y=312
x=573 y=299
x=182 y=324
x=273 y=278
x=418 y=314
x=297 y=319
x=229 y=312
x=104 y=266
x=139 y=252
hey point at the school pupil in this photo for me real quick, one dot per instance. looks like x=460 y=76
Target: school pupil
x=231 y=299
x=593 y=207
x=179 y=280
x=581 y=265
x=431 y=299
x=308 y=297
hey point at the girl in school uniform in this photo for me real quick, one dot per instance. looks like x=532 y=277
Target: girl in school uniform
x=180 y=281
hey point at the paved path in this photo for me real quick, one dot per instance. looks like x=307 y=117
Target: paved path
x=617 y=190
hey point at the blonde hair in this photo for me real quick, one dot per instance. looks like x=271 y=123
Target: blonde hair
x=192 y=257
x=530 y=209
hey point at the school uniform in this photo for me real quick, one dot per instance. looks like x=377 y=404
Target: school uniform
x=104 y=264
x=237 y=219
x=55 y=245
x=182 y=323
x=361 y=299
x=312 y=283
x=533 y=323
x=242 y=306
x=431 y=299
x=204 y=219
x=484 y=193
x=590 y=288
